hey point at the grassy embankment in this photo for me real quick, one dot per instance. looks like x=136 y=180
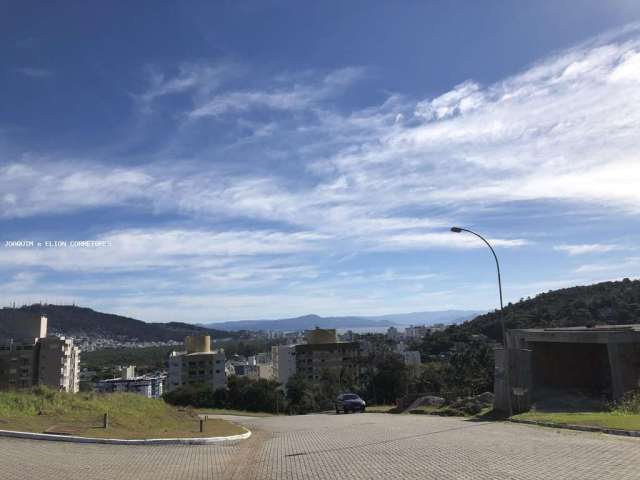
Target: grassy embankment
x=614 y=419
x=621 y=415
x=224 y=411
x=130 y=416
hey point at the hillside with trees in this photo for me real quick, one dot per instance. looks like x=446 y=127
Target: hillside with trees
x=606 y=303
x=459 y=359
x=78 y=321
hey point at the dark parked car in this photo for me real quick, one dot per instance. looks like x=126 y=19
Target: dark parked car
x=349 y=402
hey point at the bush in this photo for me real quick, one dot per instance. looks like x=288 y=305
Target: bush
x=629 y=404
x=197 y=396
x=242 y=393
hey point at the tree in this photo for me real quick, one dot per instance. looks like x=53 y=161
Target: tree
x=470 y=370
x=432 y=377
x=302 y=395
x=390 y=380
x=242 y=393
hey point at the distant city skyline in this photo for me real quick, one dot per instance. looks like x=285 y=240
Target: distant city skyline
x=276 y=159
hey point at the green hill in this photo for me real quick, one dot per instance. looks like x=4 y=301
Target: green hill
x=78 y=321
x=606 y=303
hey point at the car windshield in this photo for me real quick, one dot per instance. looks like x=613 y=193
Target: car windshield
x=350 y=397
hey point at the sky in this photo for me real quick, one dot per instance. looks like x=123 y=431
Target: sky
x=246 y=160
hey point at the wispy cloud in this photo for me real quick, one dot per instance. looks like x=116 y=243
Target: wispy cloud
x=33 y=72
x=325 y=180
x=137 y=249
x=37 y=186
x=295 y=97
x=620 y=267
x=563 y=130
x=588 y=248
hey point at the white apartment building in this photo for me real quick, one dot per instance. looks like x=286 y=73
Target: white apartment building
x=198 y=365
x=59 y=364
x=284 y=362
x=29 y=357
x=149 y=386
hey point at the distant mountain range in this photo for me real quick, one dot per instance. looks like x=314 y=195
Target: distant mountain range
x=430 y=318
x=85 y=322
x=311 y=321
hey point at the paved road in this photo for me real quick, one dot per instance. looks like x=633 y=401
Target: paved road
x=356 y=446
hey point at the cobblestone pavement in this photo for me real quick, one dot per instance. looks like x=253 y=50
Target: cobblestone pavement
x=356 y=446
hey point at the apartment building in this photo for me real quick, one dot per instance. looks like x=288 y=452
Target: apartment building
x=150 y=386
x=17 y=366
x=198 y=365
x=29 y=357
x=59 y=364
x=284 y=362
x=314 y=360
x=320 y=354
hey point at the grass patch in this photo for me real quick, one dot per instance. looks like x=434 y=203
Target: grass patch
x=380 y=409
x=614 y=419
x=447 y=411
x=576 y=409
x=225 y=411
x=426 y=410
x=131 y=416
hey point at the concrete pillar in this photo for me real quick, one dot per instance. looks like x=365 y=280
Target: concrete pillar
x=520 y=376
x=500 y=399
x=624 y=361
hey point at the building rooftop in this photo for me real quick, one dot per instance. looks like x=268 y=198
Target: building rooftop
x=597 y=328
x=141 y=378
x=595 y=334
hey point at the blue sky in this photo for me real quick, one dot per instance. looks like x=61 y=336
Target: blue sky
x=265 y=159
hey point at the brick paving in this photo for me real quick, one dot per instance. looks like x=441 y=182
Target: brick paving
x=356 y=446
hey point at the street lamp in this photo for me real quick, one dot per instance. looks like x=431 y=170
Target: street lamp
x=504 y=331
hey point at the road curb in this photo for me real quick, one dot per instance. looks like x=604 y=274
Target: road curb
x=581 y=428
x=121 y=441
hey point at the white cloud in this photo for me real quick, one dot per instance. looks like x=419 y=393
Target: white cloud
x=464 y=98
x=619 y=267
x=587 y=248
x=41 y=186
x=137 y=249
x=199 y=79
x=295 y=97
x=566 y=129
x=392 y=176
x=561 y=130
x=418 y=241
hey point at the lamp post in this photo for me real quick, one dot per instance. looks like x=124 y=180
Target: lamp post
x=504 y=331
